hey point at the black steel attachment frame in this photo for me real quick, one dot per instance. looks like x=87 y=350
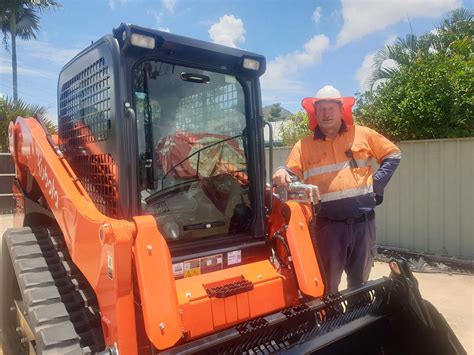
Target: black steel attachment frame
x=385 y=316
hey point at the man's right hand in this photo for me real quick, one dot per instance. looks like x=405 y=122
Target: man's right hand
x=281 y=178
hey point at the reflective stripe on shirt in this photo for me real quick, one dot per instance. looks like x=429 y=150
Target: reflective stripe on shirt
x=397 y=155
x=334 y=167
x=338 y=195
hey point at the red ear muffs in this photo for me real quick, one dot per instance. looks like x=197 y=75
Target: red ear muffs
x=347 y=103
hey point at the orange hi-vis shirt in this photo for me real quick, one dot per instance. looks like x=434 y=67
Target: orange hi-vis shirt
x=346 y=188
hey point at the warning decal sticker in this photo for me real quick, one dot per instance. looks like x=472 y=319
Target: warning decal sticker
x=234 y=257
x=199 y=266
x=192 y=268
x=211 y=263
x=178 y=270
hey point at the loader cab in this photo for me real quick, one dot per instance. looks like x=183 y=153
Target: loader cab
x=192 y=146
x=156 y=123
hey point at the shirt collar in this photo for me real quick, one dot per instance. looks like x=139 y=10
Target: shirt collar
x=318 y=134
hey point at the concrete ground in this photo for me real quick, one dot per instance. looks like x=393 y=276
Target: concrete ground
x=452 y=295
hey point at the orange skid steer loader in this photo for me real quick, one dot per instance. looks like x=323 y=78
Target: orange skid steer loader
x=146 y=225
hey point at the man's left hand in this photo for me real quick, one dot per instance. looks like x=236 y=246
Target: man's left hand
x=378 y=200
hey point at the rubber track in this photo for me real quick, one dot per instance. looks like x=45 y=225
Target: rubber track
x=59 y=304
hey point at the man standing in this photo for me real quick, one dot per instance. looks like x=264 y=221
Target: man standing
x=337 y=158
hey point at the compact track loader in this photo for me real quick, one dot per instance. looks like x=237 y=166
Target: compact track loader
x=146 y=225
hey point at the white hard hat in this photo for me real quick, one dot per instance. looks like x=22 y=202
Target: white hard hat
x=328 y=93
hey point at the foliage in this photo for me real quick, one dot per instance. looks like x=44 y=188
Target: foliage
x=431 y=98
x=430 y=93
x=19 y=18
x=458 y=26
x=275 y=112
x=296 y=129
x=10 y=110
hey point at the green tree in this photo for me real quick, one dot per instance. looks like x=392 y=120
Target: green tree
x=296 y=129
x=431 y=92
x=431 y=98
x=10 y=110
x=452 y=30
x=404 y=51
x=458 y=26
x=275 y=112
x=19 y=18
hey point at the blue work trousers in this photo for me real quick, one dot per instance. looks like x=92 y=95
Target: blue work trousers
x=344 y=247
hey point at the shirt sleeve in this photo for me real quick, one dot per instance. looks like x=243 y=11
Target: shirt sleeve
x=388 y=155
x=294 y=161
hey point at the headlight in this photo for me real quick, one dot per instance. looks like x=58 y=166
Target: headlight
x=142 y=41
x=251 y=64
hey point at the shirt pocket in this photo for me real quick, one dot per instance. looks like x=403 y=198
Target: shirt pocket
x=363 y=157
x=361 y=152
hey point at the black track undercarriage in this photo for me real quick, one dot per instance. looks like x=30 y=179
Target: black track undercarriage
x=48 y=307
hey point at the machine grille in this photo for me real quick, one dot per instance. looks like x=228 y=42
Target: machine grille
x=84 y=121
x=84 y=106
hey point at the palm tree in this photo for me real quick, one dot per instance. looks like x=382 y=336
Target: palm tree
x=19 y=18
x=403 y=52
x=11 y=109
x=457 y=26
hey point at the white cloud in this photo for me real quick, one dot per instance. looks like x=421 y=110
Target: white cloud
x=25 y=71
x=317 y=14
x=281 y=71
x=228 y=31
x=365 y=71
x=206 y=23
x=169 y=5
x=113 y=3
x=48 y=52
x=390 y=41
x=158 y=16
x=362 y=17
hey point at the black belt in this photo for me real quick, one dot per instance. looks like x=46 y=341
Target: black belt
x=365 y=217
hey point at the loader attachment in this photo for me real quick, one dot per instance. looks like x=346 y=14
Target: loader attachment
x=385 y=316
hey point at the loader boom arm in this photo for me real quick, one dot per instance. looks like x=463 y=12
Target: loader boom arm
x=101 y=247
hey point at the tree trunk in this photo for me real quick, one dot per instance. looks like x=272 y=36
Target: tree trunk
x=14 y=63
x=14 y=70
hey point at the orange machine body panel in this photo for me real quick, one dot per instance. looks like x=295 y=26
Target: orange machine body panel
x=302 y=251
x=202 y=314
x=156 y=284
x=298 y=238
x=106 y=251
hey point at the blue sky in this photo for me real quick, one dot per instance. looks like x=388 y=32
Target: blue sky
x=308 y=44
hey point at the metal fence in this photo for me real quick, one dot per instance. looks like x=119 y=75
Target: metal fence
x=429 y=203
x=7 y=172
